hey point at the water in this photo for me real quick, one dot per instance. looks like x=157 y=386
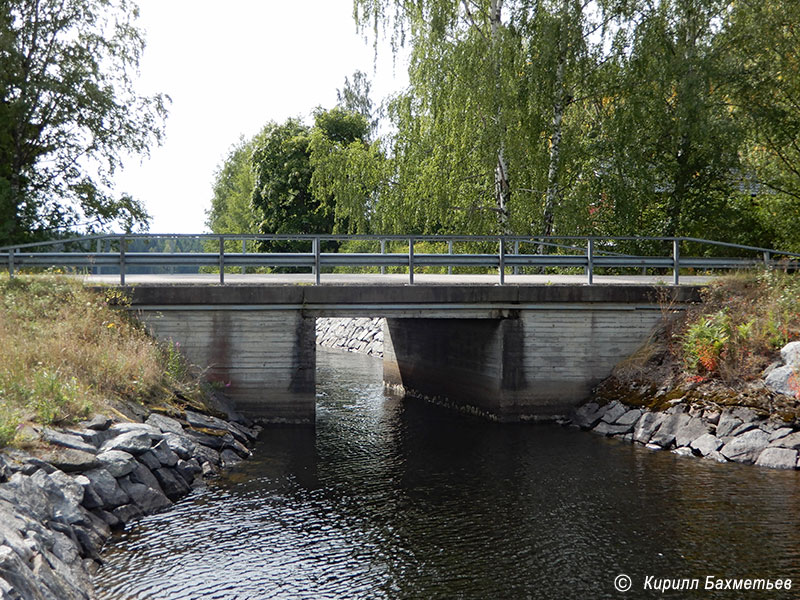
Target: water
x=399 y=499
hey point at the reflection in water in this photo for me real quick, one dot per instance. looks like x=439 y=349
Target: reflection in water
x=399 y=499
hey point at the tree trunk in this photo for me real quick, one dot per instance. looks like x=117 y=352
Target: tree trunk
x=502 y=189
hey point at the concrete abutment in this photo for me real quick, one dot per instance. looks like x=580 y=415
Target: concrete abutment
x=509 y=353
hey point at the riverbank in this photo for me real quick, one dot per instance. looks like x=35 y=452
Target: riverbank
x=720 y=381
x=99 y=425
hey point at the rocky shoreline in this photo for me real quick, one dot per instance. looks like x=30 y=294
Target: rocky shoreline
x=363 y=335
x=741 y=434
x=61 y=498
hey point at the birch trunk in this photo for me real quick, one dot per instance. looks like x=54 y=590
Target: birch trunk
x=502 y=190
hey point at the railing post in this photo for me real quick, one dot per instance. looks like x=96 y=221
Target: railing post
x=766 y=259
x=502 y=262
x=315 y=245
x=98 y=249
x=11 y=263
x=450 y=252
x=222 y=260
x=411 y=261
x=383 y=251
x=676 y=259
x=590 y=261
x=122 y=260
x=516 y=252
x=244 y=251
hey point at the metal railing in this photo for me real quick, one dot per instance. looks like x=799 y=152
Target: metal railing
x=128 y=253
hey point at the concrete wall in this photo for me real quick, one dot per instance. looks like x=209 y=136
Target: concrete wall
x=535 y=364
x=266 y=356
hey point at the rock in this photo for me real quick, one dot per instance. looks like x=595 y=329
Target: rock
x=742 y=428
x=716 y=456
x=665 y=436
x=127 y=512
x=777 y=458
x=779 y=433
x=91 y=500
x=91 y=436
x=783 y=380
x=67 y=441
x=727 y=423
x=790 y=354
x=218 y=442
x=614 y=410
x=706 y=444
x=647 y=425
x=653 y=447
x=204 y=421
x=98 y=423
x=120 y=428
x=603 y=428
x=164 y=424
x=146 y=498
x=117 y=462
x=68 y=486
x=630 y=417
x=143 y=475
x=109 y=519
x=588 y=415
x=744 y=414
x=149 y=460
x=180 y=445
x=174 y=485
x=106 y=487
x=746 y=447
x=19 y=576
x=164 y=454
x=790 y=441
x=683 y=451
x=690 y=431
x=188 y=469
x=68 y=459
x=229 y=458
x=205 y=454
x=5 y=470
x=133 y=442
x=712 y=416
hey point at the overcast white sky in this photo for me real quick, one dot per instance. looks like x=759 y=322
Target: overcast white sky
x=230 y=67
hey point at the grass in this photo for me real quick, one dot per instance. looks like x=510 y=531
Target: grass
x=68 y=352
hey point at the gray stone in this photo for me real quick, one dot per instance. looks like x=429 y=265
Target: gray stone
x=779 y=433
x=68 y=486
x=143 y=475
x=630 y=417
x=5 y=469
x=783 y=380
x=148 y=499
x=117 y=462
x=91 y=499
x=665 y=436
x=98 y=423
x=205 y=454
x=218 y=442
x=588 y=415
x=149 y=460
x=180 y=445
x=690 y=431
x=205 y=421
x=727 y=423
x=119 y=428
x=164 y=454
x=127 y=513
x=790 y=354
x=706 y=444
x=683 y=451
x=647 y=425
x=604 y=428
x=67 y=459
x=614 y=410
x=711 y=416
x=716 y=456
x=106 y=487
x=229 y=458
x=653 y=447
x=91 y=436
x=174 y=485
x=790 y=441
x=746 y=447
x=164 y=424
x=742 y=428
x=19 y=576
x=132 y=442
x=777 y=458
x=188 y=469
x=67 y=441
x=744 y=414
x=58 y=505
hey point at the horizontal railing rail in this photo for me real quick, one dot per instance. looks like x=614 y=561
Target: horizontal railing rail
x=130 y=252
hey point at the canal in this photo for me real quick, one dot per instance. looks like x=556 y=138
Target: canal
x=393 y=498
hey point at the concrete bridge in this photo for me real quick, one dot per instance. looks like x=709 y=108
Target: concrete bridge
x=510 y=353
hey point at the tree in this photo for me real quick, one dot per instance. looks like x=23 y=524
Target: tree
x=69 y=114
x=231 y=205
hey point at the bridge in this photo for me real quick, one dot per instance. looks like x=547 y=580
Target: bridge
x=520 y=349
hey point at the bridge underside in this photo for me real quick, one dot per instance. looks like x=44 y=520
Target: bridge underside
x=508 y=353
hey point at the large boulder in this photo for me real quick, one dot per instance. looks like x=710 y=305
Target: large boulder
x=746 y=447
x=777 y=458
x=784 y=380
x=790 y=354
x=647 y=425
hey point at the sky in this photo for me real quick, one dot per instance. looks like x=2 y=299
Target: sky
x=230 y=67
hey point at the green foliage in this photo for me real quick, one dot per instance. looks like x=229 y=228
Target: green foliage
x=231 y=209
x=69 y=114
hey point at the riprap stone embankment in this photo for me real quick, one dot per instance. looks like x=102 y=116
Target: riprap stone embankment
x=60 y=501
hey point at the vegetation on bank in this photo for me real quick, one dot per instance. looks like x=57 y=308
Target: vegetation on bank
x=68 y=352
x=718 y=350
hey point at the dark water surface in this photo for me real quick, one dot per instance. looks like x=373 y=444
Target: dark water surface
x=399 y=499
